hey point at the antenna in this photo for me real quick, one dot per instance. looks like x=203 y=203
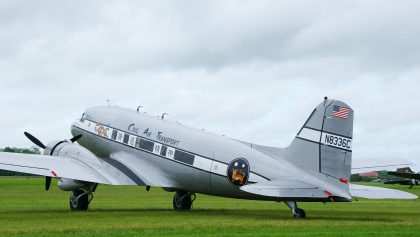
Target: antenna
x=138 y=108
x=109 y=101
x=163 y=115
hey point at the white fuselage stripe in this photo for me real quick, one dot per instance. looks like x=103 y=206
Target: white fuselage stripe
x=310 y=134
x=202 y=163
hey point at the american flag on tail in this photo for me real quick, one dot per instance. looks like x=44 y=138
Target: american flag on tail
x=340 y=112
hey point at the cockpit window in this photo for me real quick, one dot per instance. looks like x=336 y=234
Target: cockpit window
x=126 y=137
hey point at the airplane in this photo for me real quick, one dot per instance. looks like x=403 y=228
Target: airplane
x=118 y=146
x=405 y=177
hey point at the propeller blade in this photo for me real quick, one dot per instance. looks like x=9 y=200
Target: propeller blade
x=34 y=140
x=76 y=138
x=47 y=183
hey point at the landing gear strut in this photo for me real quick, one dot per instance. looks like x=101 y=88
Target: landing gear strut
x=183 y=200
x=297 y=212
x=80 y=199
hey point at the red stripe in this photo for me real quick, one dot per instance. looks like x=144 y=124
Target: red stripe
x=342 y=113
x=341 y=116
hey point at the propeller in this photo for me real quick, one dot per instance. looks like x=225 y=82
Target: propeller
x=41 y=145
x=47 y=183
x=75 y=138
x=34 y=140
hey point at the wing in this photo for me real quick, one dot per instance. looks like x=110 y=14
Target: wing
x=103 y=171
x=378 y=193
x=405 y=175
x=285 y=188
x=363 y=165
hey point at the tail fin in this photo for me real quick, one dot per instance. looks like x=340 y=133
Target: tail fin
x=405 y=170
x=324 y=143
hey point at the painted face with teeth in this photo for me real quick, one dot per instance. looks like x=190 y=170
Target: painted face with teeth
x=238 y=172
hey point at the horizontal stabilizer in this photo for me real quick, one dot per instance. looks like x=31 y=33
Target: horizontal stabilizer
x=371 y=192
x=363 y=165
x=285 y=188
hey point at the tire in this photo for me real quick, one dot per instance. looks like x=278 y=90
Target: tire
x=182 y=201
x=300 y=214
x=79 y=205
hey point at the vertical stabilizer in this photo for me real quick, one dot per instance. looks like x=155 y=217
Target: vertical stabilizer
x=324 y=143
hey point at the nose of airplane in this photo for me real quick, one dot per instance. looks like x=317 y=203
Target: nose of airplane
x=76 y=128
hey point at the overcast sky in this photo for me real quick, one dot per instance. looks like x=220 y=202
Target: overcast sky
x=253 y=70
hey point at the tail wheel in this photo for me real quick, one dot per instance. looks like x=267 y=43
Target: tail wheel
x=78 y=202
x=297 y=212
x=182 y=201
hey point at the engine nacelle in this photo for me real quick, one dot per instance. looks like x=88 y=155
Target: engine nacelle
x=67 y=148
x=70 y=184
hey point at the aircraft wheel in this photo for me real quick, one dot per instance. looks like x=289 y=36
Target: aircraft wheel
x=299 y=213
x=182 y=201
x=80 y=204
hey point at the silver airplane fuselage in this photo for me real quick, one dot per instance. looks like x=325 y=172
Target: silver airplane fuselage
x=187 y=159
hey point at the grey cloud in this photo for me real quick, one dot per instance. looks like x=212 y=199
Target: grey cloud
x=252 y=70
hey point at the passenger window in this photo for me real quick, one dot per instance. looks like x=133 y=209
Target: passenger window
x=146 y=145
x=120 y=136
x=184 y=157
x=126 y=137
x=114 y=134
x=138 y=142
x=163 y=150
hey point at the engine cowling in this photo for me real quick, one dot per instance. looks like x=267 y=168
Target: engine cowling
x=69 y=149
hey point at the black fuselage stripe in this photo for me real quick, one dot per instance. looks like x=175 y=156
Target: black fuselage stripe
x=324 y=144
x=125 y=170
x=96 y=135
x=307 y=120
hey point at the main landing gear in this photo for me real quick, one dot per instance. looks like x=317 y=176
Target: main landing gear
x=183 y=200
x=80 y=199
x=297 y=212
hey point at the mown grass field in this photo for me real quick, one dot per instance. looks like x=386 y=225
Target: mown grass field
x=27 y=210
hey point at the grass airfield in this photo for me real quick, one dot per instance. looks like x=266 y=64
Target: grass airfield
x=27 y=210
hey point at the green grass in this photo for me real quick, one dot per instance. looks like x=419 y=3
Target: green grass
x=27 y=210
